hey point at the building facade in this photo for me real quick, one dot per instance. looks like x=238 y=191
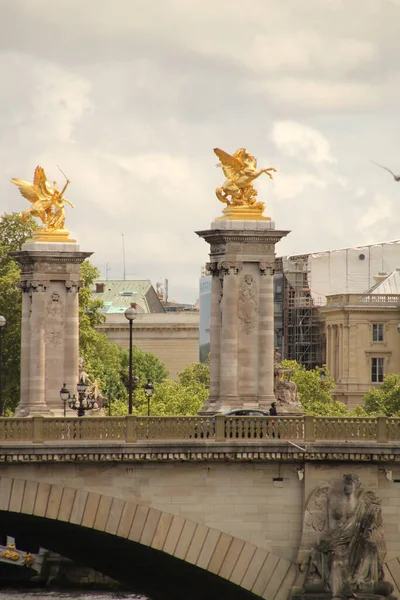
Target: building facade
x=172 y=336
x=362 y=342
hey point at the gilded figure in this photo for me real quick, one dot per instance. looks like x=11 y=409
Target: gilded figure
x=47 y=200
x=240 y=170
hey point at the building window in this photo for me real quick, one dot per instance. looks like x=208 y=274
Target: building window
x=377 y=370
x=377 y=332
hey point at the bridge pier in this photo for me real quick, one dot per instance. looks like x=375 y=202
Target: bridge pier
x=242 y=257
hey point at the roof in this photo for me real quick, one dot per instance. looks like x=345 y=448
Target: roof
x=119 y=295
x=389 y=285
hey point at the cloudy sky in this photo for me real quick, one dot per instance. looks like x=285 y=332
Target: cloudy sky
x=130 y=97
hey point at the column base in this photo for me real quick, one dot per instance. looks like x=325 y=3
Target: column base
x=32 y=409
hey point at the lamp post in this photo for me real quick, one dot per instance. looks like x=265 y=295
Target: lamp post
x=82 y=404
x=2 y=324
x=149 y=389
x=65 y=396
x=130 y=314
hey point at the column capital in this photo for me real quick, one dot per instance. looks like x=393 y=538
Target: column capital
x=266 y=268
x=29 y=285
x=73 y=286
x=229 y=268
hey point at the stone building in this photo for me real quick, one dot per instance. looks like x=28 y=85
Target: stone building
x=362 y=338
x=172 y=336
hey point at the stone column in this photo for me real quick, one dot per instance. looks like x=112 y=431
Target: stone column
x=25 y=343
x=50 y=339
x=266 y=337
x=215 y=332
x=242 y=256
x=229 y=335
x=36 y=366
x=71 y=355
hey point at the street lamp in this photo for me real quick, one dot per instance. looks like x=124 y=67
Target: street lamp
x=2 y=324
x=130 y=314
x=65 y=397
x=82 y=404
x=149 y=389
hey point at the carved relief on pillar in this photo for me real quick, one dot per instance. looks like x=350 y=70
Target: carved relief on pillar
x=248 y=303
x=343 y=532
x=54 y=319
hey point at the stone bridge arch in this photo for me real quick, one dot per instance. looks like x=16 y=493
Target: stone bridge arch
x=139 y=543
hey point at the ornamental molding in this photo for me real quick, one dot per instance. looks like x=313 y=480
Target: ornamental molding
x=194 y=455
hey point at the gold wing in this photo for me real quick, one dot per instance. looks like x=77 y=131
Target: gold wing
x=230 y=165
x=26 y=189
x=38 y=190
x=41 y=184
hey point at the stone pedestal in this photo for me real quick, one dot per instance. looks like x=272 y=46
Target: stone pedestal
x=242 y=258
x=50 y=284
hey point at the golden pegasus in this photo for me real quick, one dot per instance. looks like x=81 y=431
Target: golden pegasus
x=240 y=170
x=47 y=200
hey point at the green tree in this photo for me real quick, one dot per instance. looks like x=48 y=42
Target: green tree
x=314 y=388
x=13 y=233
x=183 y=397
x=196 y=373
x=386 y=399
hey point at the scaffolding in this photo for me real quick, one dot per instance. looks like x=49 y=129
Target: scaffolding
x=302 y=338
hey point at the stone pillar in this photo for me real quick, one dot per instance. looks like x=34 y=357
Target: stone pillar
x=50 y=337
x=229 y=335
x=242 y=258
x=215 y=332
x=266 y=336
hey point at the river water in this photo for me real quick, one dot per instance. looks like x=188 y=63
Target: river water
x=38 y=594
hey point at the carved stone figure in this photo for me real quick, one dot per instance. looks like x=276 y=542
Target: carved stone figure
x=348 y=551
x=47 y=200
x=240 y=170
x=248 y=303
x=285 y=390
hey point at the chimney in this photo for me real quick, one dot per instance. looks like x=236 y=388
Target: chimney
x=134 y=305
x=100 y=287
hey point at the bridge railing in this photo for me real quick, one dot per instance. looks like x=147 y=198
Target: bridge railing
x=195 y=429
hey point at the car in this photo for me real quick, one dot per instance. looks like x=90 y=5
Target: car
x=246 y=412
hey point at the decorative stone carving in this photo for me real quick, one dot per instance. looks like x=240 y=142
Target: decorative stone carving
x=217 y=248
x=266 y=269
x=285 y=390
x=92 y=391
x=55 y=337
x=343 y=522
x=54 y=306
x=227 y=268
x=248 y=303
x=73 y=286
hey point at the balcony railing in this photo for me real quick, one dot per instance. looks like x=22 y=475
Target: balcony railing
x=363 y=299
x=263 y=430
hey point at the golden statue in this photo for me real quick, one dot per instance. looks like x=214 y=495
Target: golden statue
x=47 y=204
x=237 y=192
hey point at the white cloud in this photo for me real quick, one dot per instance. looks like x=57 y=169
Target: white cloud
x=130 y=98
x=302 y=142
x=380 y=210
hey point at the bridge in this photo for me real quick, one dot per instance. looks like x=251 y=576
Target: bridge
x=189 y=506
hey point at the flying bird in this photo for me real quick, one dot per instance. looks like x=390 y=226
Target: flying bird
x=396 y=177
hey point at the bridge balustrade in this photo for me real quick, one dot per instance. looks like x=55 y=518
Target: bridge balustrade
x=196 y=429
